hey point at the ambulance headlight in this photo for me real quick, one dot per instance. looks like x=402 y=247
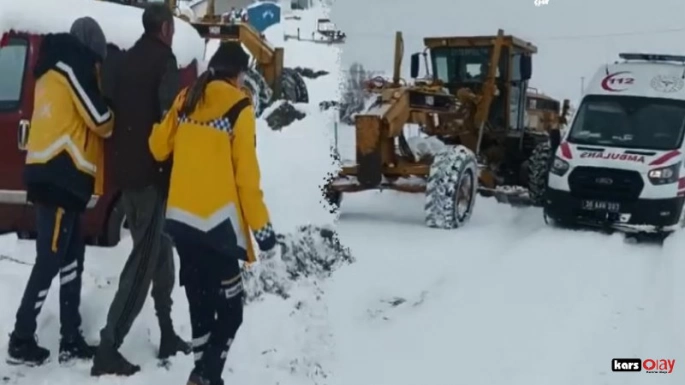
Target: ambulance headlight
x=559 y=167
x=665 y=175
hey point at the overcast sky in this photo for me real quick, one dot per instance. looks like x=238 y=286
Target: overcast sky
x=561 y=61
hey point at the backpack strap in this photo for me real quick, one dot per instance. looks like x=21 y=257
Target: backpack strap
x=234 y=112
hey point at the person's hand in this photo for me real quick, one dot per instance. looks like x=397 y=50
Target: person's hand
x=276 y=252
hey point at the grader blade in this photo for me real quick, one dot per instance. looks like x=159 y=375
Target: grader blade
x=511 y=195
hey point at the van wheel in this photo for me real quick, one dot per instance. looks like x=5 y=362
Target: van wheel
x=115 y=222
x=451 y=188
x=538 y=169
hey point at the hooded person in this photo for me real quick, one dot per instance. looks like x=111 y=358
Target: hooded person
x=63 y=170
x=215 y=202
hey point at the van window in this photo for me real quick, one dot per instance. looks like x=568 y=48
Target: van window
x=12 y=68
x=629 y=122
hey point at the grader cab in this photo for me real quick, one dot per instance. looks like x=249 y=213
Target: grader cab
x=470 y=109
x=543 y=112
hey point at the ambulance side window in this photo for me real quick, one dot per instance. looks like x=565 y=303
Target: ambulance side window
x=13 y=59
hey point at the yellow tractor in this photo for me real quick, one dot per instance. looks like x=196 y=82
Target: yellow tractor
x=470 y=109
x=267 y=80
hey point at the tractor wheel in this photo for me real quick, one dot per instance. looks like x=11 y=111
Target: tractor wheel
x=451 y=188
x=260 y=92
x=538 y=169
x=293 y=87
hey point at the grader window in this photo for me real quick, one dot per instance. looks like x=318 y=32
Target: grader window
x=458 y=65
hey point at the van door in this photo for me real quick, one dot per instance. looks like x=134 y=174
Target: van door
x=14 y=127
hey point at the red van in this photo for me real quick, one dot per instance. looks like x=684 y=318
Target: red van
x=104 y=218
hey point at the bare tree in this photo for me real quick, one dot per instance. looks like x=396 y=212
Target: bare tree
x=354 y=94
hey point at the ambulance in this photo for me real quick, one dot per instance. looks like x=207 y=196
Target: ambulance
x=621 y=163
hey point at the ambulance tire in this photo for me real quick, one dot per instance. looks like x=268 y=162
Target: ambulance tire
x=538 y=170
x=453 y=171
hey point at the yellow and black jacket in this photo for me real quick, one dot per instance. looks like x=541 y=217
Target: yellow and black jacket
x=215 y=195
x=64 y=160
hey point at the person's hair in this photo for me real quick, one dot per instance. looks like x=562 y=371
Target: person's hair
x=154 y=17
x=228 y=62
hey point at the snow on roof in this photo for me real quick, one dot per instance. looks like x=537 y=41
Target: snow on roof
x=122 y=24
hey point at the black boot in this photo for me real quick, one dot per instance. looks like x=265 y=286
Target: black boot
x=26 y=352
x=196 y=379
x=75 y=349
x=109 y=361
x=171 y=344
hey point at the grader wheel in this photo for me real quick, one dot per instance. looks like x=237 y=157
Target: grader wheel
x=256 y=87
x=451 y=188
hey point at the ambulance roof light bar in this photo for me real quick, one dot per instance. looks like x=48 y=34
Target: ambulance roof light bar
x=652 y=57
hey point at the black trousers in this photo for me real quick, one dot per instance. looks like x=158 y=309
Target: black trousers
x=214 y=288
x=59 y=249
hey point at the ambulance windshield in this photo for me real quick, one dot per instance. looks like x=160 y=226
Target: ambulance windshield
x=629 y=122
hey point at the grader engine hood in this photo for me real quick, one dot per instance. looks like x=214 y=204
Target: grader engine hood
x=429 y=100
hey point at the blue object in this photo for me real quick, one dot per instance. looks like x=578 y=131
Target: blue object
x=263 y=15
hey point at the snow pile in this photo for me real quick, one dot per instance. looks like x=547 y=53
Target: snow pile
x=312 y=252
x=122 y=24
x=282 y=114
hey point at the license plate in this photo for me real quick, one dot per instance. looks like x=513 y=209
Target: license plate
x=601 y=206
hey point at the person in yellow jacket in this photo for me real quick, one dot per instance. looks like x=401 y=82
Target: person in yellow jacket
x=215 y=199
x=63 y=167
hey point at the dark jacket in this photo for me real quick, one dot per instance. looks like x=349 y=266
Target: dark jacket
x=70 y=120
x=147 y=82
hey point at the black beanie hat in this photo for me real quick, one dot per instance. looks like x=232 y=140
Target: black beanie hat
x=230 y=58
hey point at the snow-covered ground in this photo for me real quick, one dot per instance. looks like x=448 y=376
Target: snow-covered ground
x=504 y=301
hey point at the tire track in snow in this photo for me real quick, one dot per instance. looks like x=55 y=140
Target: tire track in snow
x=563 y=298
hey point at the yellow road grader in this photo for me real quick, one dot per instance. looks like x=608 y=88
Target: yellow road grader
x=267 y=79
x=470 y=108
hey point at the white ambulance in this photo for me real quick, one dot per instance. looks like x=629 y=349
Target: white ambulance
x=621 y=163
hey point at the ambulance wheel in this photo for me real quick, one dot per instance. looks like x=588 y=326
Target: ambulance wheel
x=114 y=225
x=258 y=89
x=293 y=87
x=538 y=169
x=451 y=188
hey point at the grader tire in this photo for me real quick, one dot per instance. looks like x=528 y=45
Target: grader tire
x=259 y=90
x=293 y=87
x=538 y=170
x=453 y=175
